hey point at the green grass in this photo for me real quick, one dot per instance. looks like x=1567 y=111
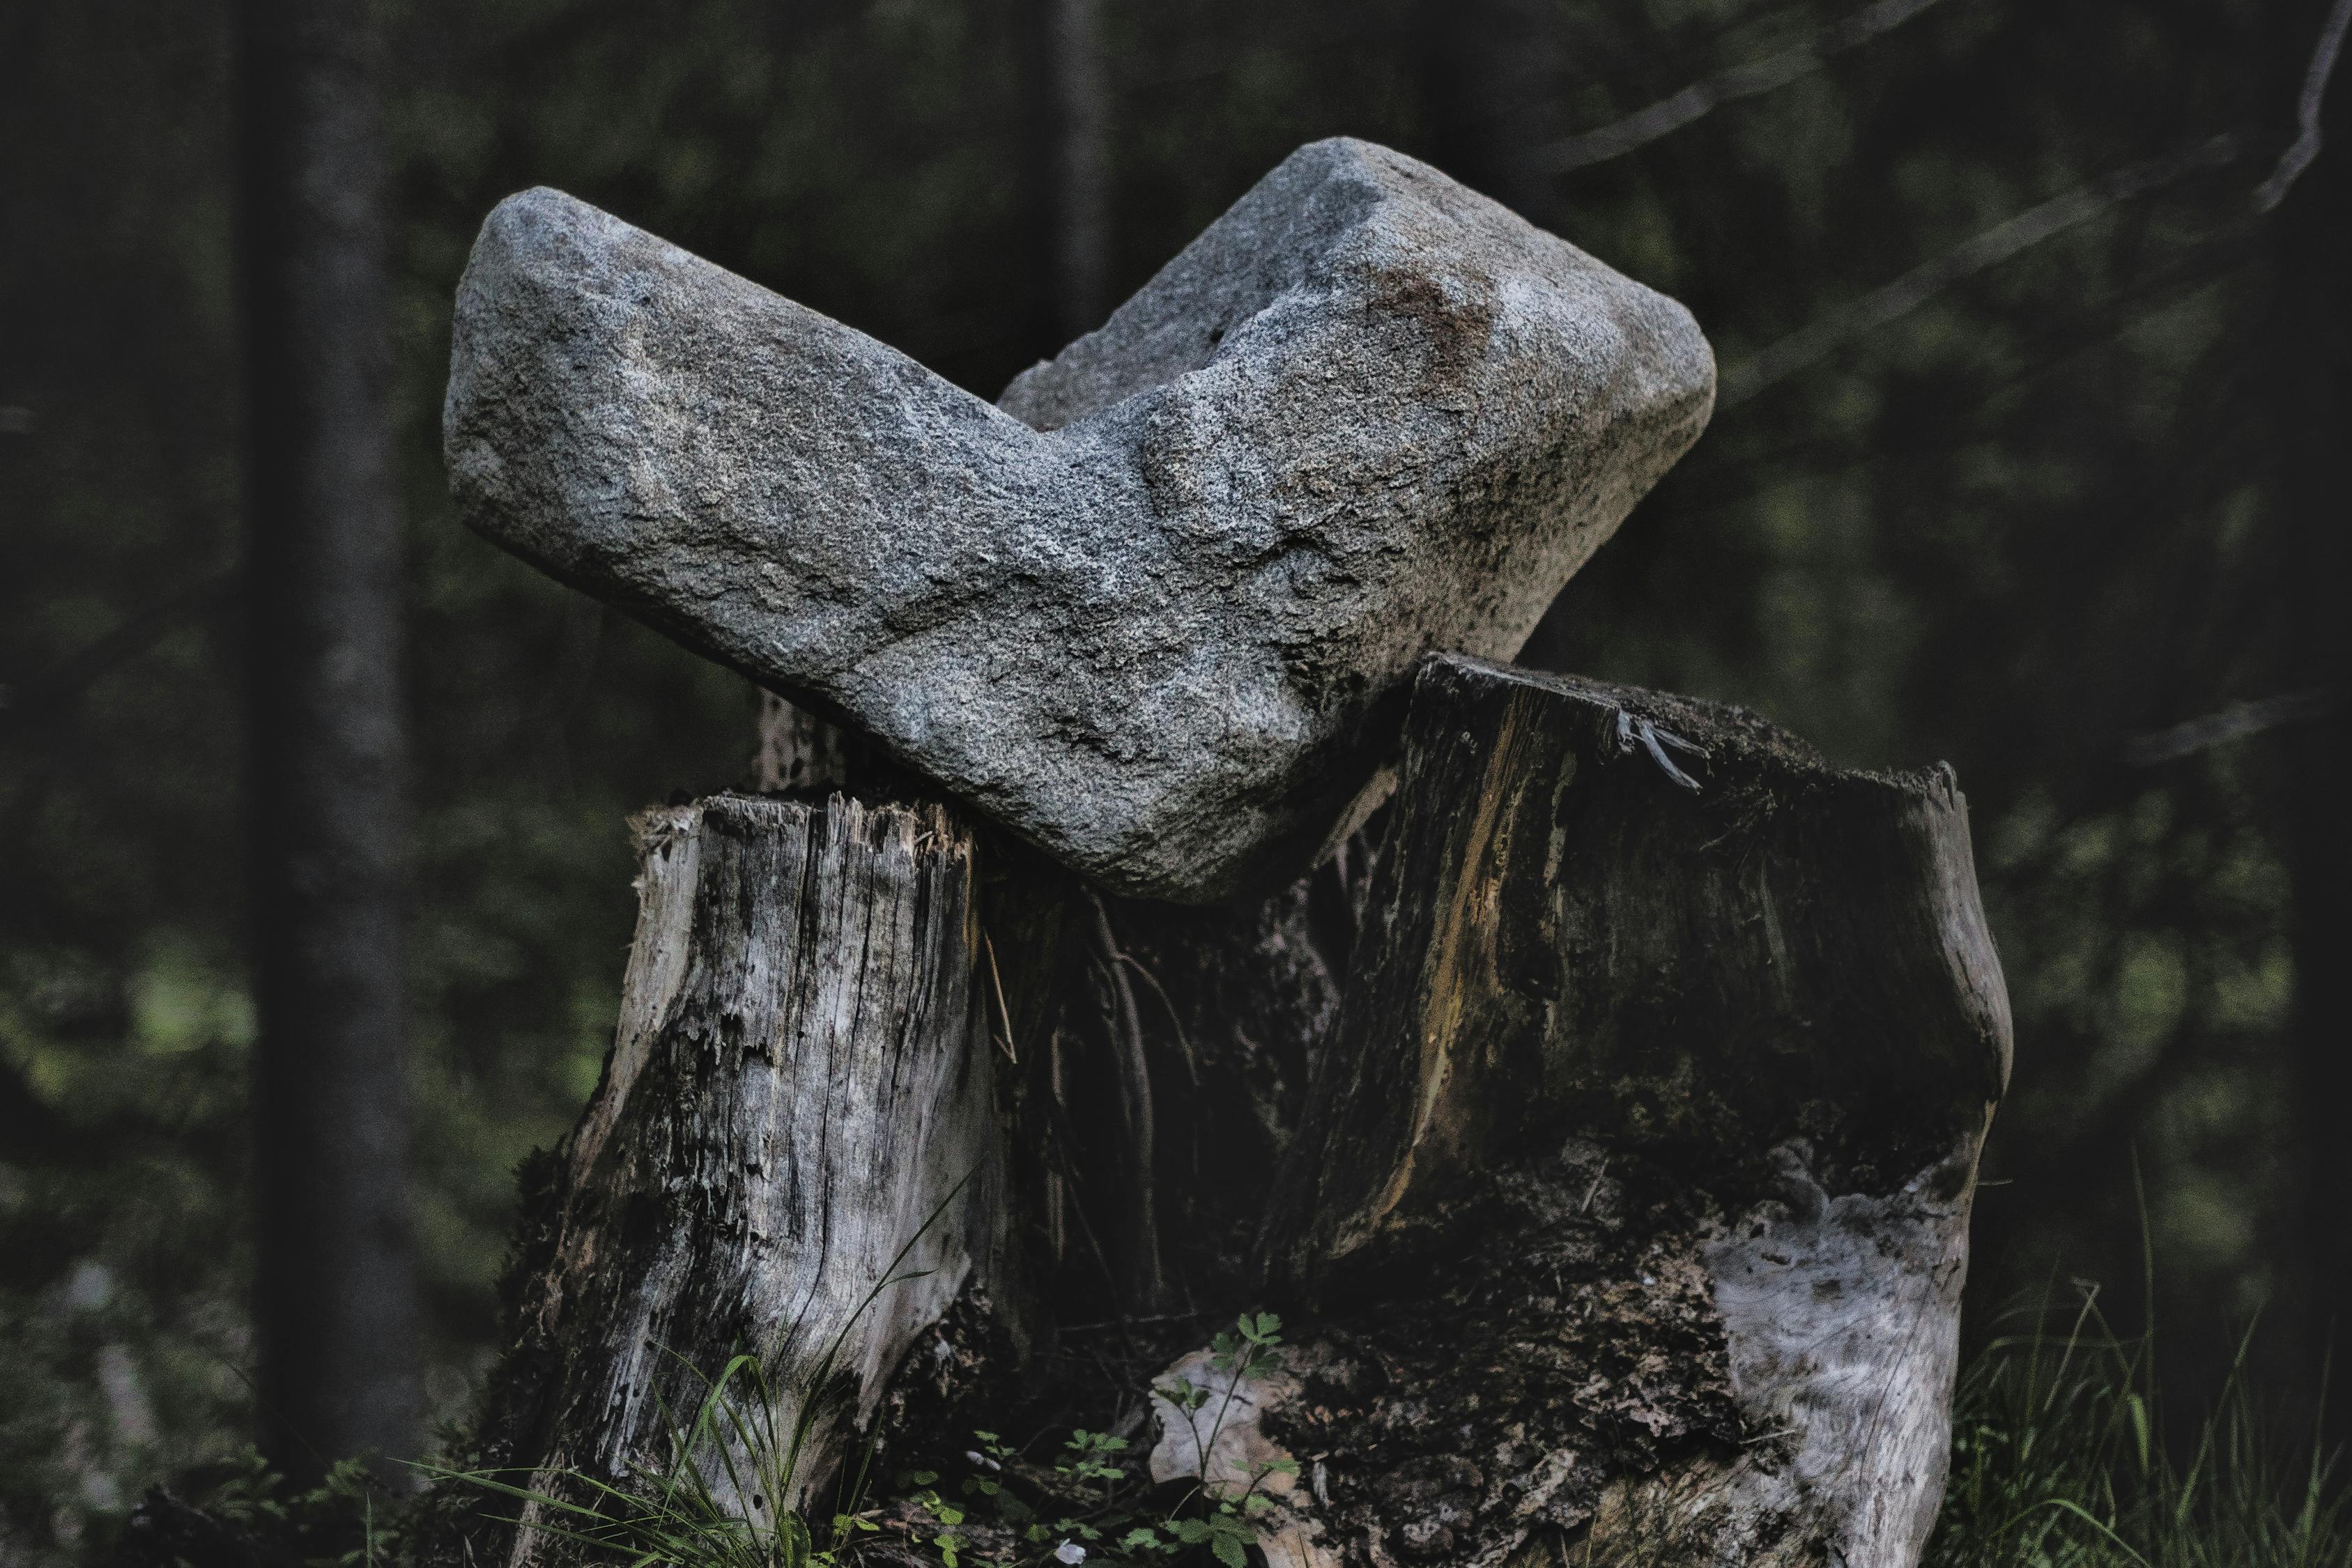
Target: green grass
x=720 y=1501
x=725 y=1496
x=2060 y=1460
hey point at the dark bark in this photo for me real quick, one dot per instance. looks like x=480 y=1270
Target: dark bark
x=335 y=1294
x=1221 y=1010
x=1632 y=1196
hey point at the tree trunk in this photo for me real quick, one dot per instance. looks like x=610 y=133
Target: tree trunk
x=792 y=1153
x=1078 y=69
x=1490 y=75
x=1639 y=1168
x=1609 y=1136
x=335 y=1297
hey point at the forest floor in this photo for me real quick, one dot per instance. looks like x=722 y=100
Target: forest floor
x=2063 y=1457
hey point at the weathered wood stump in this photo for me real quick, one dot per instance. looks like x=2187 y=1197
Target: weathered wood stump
x=1634 y=1186
x=792 y=1153
x=1603 y=1111
x=1610 y=1144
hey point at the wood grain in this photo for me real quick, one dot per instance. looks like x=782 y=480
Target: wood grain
x=798 y=1110
x=1640 y=1160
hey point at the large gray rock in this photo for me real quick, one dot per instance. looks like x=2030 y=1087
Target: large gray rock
x=1151 y=611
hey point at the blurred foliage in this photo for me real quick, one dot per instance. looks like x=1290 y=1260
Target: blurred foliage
x=2012 y=529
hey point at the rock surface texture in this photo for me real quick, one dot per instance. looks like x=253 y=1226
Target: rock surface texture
x=1156 y=611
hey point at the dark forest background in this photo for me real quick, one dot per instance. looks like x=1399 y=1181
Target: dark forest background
x=2030 y=454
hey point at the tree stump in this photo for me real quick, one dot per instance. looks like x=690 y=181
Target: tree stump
x=1605 y=1119
x=792 y=1153
x=1634 y=1186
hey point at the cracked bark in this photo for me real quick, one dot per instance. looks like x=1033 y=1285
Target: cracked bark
x=798 y=1109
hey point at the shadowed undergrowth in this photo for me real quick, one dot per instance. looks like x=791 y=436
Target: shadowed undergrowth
x=2063 y=1457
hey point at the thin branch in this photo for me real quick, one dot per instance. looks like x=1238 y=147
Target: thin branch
x=1727 y=483
x=1811 y=345
x=2234 y=722
x=2306 y=147
x=1703 y=97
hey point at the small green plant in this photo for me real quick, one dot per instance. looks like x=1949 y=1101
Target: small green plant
x=1090 y=1459
x=1221 y=1521
x=331 y=1525
x=1251 y=1350
x=1098 y=1507
x=921 y=1489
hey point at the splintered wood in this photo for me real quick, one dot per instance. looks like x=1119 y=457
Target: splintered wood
x=1635 y=1184
x=1603 y=1121
x=792 y=1153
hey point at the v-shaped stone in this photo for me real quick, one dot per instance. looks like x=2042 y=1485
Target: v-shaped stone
x=1150 y=610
